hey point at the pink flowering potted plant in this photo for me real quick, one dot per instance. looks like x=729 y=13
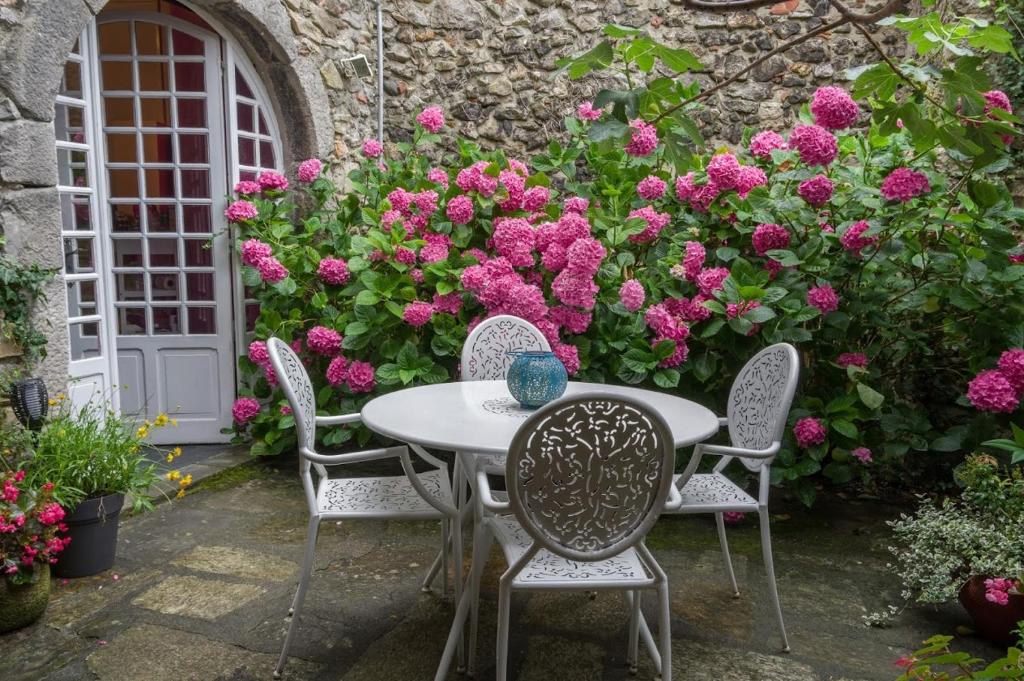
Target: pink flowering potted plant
x=29 y=522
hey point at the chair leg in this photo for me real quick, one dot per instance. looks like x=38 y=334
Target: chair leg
x=665 y=631
x=633 y=599
x=504 y=608
x=446 y=538
x=481 y=552
x=456 y=532
x=435 y=567
x=300 y=593
x=720 y=522
x=769 y=566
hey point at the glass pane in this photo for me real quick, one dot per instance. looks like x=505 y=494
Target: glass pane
x=245 y=117
x=196 y=219
x=155 y=76
x=69 y=123
x=120 y=111
x=129 y=287
x=121 y=148
x=78 y=256
x=267 y=155
x=185 y=43
x=115 y=38
x=125 y=217
x=163 y=286
x=190 y=76
x=166 y=320
x=247 y=175
x=252 y=313
x=156 y=113
x=195 y=184
x=85 y=340
x=192 y=148
x=81 y=298
x=192 y=113
x=124 y=183
x=242 y=86
x=75 y=213
x=158 y=148
x=201 y=320
x=131 y=321
x=263 y=125
x=197 y=253
x=199 y=285
x=72 y=168
x=116 y=75
x=150 y=38
x=127 y=252
x=246 y=151
x=163 y=252
x=71 y=84
x=159 y=183
x=161 y=218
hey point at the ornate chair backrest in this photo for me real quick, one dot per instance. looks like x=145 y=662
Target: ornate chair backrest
x=588 y=476
x=298 y=389
x=760 y=398
x=485 y=354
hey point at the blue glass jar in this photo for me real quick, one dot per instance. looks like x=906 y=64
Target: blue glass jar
x=536 y=378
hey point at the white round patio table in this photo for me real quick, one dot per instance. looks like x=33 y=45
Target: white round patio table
x=481 y=417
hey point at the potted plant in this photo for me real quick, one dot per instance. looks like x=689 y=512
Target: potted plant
x=29 y=522
x=970 y=549
x=96 y=458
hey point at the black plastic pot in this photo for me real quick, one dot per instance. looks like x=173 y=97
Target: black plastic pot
x=92 y=527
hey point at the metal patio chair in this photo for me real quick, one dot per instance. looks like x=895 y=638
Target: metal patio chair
x=758 y=408
x=587 y=477
x=412 y=496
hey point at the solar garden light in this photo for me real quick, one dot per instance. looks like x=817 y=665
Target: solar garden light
x=30 y=402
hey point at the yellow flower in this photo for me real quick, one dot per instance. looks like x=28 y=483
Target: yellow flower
x=160 y=421
x=186 y=481
x=61 y=397
x=169 y=457
x=142 y=432
x=52 y=402
x=174 y=422
x=174 y=475
x=176 y=451
x=180 y=494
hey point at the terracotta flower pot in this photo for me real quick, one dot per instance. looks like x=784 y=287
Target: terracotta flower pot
x=993 y=621
x=23 y=604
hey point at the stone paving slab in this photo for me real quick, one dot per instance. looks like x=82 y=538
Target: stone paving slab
x=201 y=588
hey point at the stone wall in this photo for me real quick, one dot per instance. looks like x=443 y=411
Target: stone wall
x=491 y=65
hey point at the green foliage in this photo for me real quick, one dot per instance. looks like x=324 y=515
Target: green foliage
x=21 y=285
x=936 y=661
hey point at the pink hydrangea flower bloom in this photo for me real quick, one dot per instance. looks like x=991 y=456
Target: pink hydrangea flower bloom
x=554 y=258
x=644 y=139
x=271 y=270
x=824 y=298
x=587 y=112
x=749 y=178
x=240 y=211
x=991 y=391
x=862 y=454
x=853 y=239
x=372 y=148
x=360 y=377
x=438 y=176
x=769 y=237
x=247 y=187
x=903 y=184
x=733 y=310
x=573 y=321
x=324 y=341
x=685 y=187
x=575 y=290
x=535 y=198
x=418 y=313
x=272 y=181
x=449 y=303
x=431 y=118
x=569 y=356
x=703 y=196
x=333 y=271
x=693 y=261
x=764 y=143
x=854 y=359
x=679 y=354
x=632 y=295
x=460 y=209
x=833 y=108
x=436 y=248
x=245 y=410
x=655 y=223
x=710 y=280
x=584 y=256
x=816 y=145
x=270 y=375
x=515 y=238
x=577 y=204
x=1017 y=259
x=724 y=171
x=733 y=517
x=389 y=218
x=258 y=353
x=1011 y=364
x=816 y=191
x=310 y=169
x=515 y=185
x=809 y=432
x=253 y=251
x=997 y=99
x=651 y=188
x=337 y=371
x=426 y=201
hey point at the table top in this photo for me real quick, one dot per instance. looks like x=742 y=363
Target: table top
x=482 y=417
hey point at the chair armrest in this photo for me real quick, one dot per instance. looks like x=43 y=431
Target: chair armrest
x=337 y=420
x=723 y=421
x=726 y=450
x=354 y=457
x=483 y=488
x=675 y=500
